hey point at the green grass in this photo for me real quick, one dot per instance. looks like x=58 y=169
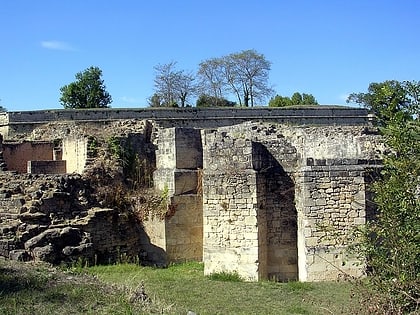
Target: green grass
x=174 y=290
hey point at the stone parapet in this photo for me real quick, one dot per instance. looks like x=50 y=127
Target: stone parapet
x=15 y=123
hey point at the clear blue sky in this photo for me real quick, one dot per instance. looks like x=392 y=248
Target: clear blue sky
x=323 y=47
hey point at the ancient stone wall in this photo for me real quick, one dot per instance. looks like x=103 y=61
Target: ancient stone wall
x=53 y=218
x=268 y=193
x=59 y=218
x=332 y=205
x=249 y=196
x=16 y=124
x=265 y=207
x=47 y=167
x=178 y=179
x=74 y=152
x=17 y=154
x=230 y=207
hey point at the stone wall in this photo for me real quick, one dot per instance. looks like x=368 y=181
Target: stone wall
x=178 y=231
x=268 y=193
x=75 y=153
x=332 y=205
x=19 y=123
x=53 y=218
x=47 y=167
x=249 y=214
x=268 y=212
x=17 y=154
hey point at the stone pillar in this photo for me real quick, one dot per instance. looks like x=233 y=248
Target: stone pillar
x=74 y=152
x=230 y=207
x=178 y=176
x=331 y=205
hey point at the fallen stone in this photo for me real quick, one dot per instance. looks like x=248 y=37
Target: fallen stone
x=45 y=253
x=19 y=255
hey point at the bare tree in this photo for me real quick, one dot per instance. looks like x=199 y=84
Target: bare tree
x=212 y=80
x=185 y=87
x=244 y=74
x=172 y=87
x=165 y=84
x=251 y=70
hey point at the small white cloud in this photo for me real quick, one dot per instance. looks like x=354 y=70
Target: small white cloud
x=57 y=45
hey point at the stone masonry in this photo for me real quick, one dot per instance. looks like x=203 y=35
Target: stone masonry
x=270 y=193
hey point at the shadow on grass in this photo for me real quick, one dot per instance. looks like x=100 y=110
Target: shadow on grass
x=12 y=281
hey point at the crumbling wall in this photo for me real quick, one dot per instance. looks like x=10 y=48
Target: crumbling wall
x=264 y=199
x=55 y=218
x=68 y=217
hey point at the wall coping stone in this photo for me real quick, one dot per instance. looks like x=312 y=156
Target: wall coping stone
x=321 y=114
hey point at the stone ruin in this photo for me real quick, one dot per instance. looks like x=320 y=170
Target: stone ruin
x=267 y=193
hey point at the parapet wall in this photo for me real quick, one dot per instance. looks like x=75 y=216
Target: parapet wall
x=12 y=123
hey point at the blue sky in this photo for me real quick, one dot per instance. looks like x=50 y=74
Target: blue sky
x=327 y=48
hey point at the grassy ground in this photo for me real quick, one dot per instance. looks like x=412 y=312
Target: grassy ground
x=131 y=289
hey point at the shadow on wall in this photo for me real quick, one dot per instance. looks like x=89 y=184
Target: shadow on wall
x=277 y=218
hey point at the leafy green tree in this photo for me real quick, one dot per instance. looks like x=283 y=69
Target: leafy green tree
x=296 y=99
x=308 y=99
x=280 y=101
x=88 y=91
x=211 y=101
x=391 y=241
x=389 y=98
x=155 y=101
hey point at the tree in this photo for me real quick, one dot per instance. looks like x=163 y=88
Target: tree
x=391 y=241
x=155 y=101
x=386 y=99
x=185 y=87
x=280 y=101
x=165 y=82
x=211 y=101
x=88 y=91
x=212 y=80
x=308 y=99
x=244 y=74
x=173 y=87
x=2 y=109
x=296 y=99
x=251 y=73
